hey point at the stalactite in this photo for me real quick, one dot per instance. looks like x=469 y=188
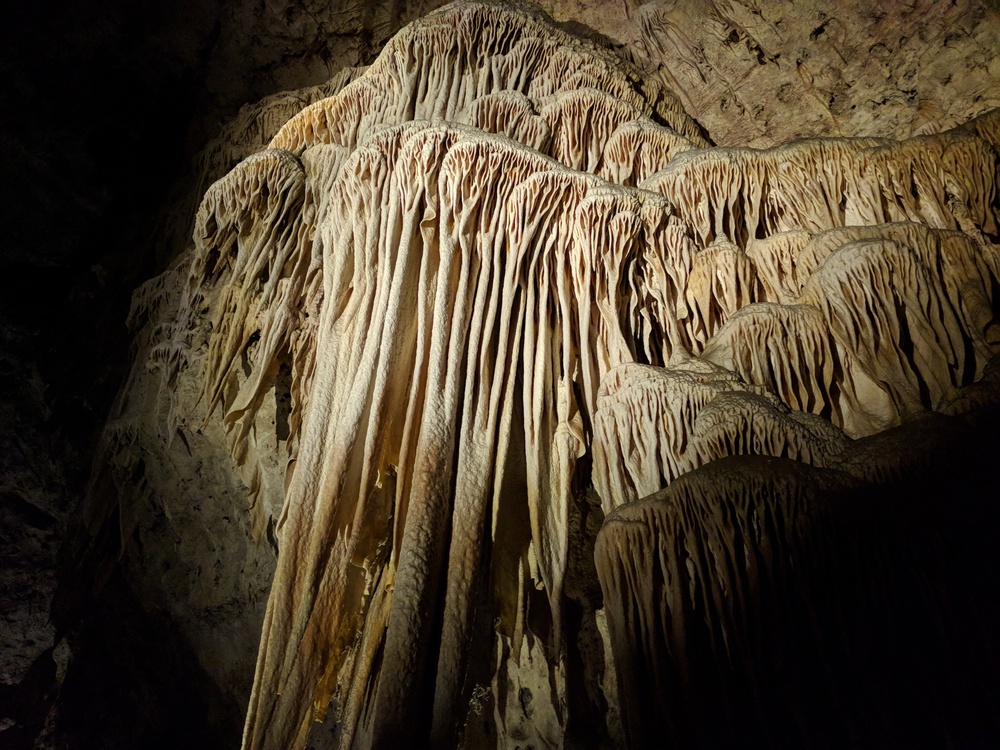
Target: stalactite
x=500 y=270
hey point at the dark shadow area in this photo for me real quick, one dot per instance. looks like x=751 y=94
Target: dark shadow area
x=135 y=683
x=854 y=614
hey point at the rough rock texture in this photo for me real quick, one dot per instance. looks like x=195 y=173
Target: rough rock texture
x=34 y=507
x=449 y=310
x=761 y=73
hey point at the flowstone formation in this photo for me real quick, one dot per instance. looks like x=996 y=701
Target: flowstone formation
x=499 y=287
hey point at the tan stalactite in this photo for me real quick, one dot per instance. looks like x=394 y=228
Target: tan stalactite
x=474 y=283
x=640 y=148
x=253 y=255
x=512 y=114
x=436 y=67
x=480 y=318
x=654 y=425
x=945 y=181
x=687 y=572
x=581 y=123
x=881 y=303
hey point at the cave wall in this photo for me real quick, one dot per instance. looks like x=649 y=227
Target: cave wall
x=89 y=94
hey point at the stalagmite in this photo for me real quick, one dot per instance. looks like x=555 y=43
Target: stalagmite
x=499 y=283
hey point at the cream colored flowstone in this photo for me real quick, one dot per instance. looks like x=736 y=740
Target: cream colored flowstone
x=500 y=267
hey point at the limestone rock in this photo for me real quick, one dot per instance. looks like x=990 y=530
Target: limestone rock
x=499 y=270
x=762 y=74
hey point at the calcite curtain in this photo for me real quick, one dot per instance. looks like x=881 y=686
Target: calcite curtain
x=503 y=277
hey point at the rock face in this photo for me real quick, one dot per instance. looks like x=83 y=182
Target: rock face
x=450 y=312
x=763 y=73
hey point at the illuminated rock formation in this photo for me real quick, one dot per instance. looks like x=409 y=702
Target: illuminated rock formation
x=501 y=270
